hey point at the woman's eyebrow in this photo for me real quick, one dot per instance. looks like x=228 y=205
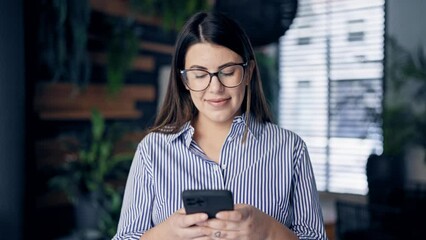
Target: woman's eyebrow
x=220 y=66
x=197 y=67
x=226 y=64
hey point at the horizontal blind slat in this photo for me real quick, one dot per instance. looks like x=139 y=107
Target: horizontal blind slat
x=340 y=43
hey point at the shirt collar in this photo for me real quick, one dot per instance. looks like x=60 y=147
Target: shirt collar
x=186 y=128
x=254 y=127
x=187 y=131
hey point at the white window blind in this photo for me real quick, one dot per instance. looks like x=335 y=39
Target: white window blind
x=331 y=74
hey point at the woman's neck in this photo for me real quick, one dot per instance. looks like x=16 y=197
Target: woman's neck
x=206 y=128
x=210 y=136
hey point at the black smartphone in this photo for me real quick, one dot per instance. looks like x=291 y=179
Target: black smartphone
x=207 y=201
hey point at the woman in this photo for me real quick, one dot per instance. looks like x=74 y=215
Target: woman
x=214 y=131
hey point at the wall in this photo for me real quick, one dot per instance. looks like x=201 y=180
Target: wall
x=12 y=108
x=406 y=25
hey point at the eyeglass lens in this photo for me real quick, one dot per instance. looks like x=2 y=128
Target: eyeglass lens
x=230 y=76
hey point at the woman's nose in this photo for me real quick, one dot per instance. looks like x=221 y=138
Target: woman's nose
x=215 y=84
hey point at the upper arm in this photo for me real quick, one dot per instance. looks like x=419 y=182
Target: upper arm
x=136 y=211
x=308 y=220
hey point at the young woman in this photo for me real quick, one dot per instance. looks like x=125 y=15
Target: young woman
x=214 y=131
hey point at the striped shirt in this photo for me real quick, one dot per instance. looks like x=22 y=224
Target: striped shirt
x=271 y=171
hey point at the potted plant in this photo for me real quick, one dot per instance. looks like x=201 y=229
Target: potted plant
x=404 y=123
x=123 y=45
x=404 y=110
x=93 y=181
x=63 y=34
x=173 y=14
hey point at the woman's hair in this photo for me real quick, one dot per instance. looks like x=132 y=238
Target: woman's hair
x=214 y=28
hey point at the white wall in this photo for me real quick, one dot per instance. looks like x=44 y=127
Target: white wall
x=405 y=22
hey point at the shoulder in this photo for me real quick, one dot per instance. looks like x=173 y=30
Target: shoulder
x=149 y=147
x=276 y=137
x=158 y=140
x=286 y=142
x=166 y=134
x=272 y=130
x=154 y=139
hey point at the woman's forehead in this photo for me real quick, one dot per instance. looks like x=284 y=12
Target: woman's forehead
x=210 y=55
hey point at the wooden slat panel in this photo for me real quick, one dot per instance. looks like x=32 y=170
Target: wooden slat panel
x=121 y=9
x=60 y=101
x=52 y=153
x=157 y=47
x=143 y=45
x=144 y=63
x=84 y=114
x=330 y=229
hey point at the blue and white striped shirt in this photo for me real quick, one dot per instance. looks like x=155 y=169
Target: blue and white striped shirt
x=271 y=171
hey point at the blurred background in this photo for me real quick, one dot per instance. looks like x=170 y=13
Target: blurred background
x=81 y=80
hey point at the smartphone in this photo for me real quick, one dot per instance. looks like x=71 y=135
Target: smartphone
x=207 y=201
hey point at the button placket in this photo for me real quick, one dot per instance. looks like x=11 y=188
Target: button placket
x=223 y=154
x=218 y=175
x=224 y=166
x=216 y=168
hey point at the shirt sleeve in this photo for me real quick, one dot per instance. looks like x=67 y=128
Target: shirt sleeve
x=136 y=211
x=307 y=216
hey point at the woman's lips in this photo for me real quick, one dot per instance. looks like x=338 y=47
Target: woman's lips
x=218 y=102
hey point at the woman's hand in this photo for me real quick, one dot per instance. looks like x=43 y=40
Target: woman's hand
x=180 y=226
x=246 y=223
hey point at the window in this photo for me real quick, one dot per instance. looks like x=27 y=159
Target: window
x=331 y=73
x=303 y=41
x=355 y=30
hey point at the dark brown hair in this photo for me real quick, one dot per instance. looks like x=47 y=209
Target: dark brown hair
x=215 y=28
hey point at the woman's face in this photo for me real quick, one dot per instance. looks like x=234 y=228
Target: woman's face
x=217 y=103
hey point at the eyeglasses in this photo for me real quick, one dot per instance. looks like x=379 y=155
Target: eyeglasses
x=199 y=80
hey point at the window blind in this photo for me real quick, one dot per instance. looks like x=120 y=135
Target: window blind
x=331 y=74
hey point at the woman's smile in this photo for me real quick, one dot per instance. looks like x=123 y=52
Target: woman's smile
x=218 y=102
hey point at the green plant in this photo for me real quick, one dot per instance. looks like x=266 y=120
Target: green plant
x=123 y=45
x=112 y=209
x=173 y=13
x=123 y=48
x=404 y=110
x=94 y=174
x=63 y=40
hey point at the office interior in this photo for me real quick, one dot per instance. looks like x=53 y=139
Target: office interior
x=47 y=114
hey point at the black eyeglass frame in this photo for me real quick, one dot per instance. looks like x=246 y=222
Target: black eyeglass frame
x=183 y=74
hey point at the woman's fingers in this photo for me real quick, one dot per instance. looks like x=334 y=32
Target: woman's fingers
x=188 y=220
x=240 y=213
x=185 y=226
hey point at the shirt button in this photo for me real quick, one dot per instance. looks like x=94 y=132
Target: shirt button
x=223 y=166
x=216 y=167
x=230 y=139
